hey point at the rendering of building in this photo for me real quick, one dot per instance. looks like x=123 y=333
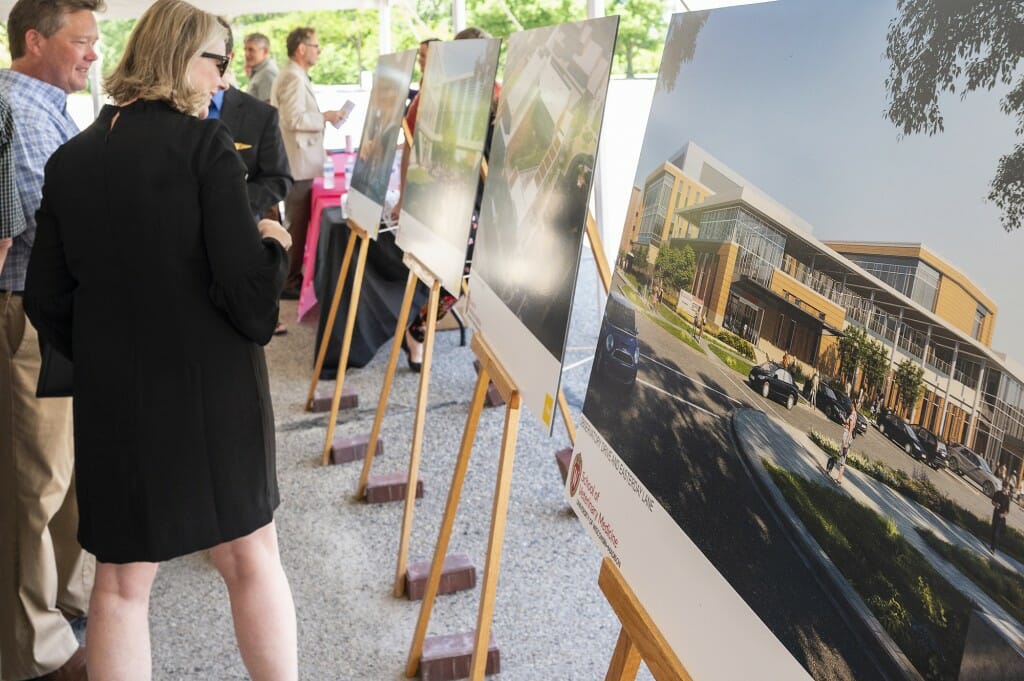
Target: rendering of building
x=762 y=275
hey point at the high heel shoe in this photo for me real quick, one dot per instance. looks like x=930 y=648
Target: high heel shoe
x=413 y=366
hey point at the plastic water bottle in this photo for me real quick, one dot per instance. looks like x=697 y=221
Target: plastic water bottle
x=328 y=172
x=350 y=164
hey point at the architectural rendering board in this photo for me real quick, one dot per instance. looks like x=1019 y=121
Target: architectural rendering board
x=534 y=208
x=774 y=165
x=381 y=133
x=447 y=147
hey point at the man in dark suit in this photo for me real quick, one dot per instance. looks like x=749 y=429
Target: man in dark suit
x=254 y=127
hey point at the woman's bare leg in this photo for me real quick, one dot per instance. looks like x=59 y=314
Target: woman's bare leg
x=261 y=604
x=118 y=629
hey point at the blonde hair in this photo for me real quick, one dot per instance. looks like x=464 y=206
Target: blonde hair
x=156 y=60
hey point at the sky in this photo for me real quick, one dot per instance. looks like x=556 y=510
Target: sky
x=791 y=95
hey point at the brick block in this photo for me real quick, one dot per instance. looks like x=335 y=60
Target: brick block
x=457 y=574
x=348 y=449
x=390 y=487
x=448 y=657
x=322 y=401
x=493 y=397
x=564 y=459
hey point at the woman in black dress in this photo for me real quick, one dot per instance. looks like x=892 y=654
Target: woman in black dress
x=150 y=273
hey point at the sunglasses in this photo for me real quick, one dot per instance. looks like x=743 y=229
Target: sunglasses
x=222 y=60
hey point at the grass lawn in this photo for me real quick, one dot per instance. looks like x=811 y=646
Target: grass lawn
x=922 y=612
x=738 y=365
x=925 y=493
x=657 y=319
x=1005 y=587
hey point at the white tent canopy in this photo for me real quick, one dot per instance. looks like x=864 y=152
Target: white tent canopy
x=130 y=9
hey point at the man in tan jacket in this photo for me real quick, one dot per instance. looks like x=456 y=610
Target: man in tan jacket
x=302 y=128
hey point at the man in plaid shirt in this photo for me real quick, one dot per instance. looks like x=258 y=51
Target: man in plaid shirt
x=12 y=220
x=45 y=576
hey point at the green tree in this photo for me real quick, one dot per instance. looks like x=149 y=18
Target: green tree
x=939 y=46
x=5 y=53
x=875 y=363
x=113 y=39
x=675 y=267
x=909 y=383
x=501 y=19
x=852 y=346
x=642 y=28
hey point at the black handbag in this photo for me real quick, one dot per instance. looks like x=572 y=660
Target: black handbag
x=56 y=374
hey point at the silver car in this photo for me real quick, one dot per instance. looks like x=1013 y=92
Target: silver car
x=968 y=464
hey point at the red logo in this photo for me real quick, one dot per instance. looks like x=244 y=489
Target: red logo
x=576 y=474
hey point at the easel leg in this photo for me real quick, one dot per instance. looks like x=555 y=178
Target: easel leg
x=492 y=566
x=599 y=257
x=335 y=302
x=389 y=377
x=417 y=439
x=563 y=406
x=346 y=346
x=625 y=660
x=476 y=407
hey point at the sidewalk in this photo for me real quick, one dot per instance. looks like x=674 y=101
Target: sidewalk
x=763 y=438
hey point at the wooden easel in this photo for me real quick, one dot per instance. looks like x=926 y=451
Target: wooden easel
x=490 y=371
x=355 y=233
x=639 y=638
x=417 y=272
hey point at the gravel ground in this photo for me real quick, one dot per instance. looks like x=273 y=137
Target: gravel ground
x=551 y=620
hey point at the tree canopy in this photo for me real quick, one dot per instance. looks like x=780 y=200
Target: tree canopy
x=909 y=382
x=942 y=46
x=675 y=267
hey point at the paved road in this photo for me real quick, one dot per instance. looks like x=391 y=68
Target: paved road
x=680 y=407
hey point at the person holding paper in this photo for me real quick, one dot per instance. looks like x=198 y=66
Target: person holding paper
x=302 y=127
x=150 y=272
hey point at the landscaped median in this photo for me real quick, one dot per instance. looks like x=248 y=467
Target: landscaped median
x=921 y=491
x=923 y=613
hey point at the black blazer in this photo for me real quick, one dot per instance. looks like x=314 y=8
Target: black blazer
x=254 y=128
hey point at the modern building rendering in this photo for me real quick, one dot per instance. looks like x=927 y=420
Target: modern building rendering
x=762 y=275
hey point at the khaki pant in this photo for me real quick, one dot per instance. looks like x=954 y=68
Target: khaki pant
x=297 y=206
x=44 y=573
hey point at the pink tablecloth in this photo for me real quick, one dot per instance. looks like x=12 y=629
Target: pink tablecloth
x=321 y=199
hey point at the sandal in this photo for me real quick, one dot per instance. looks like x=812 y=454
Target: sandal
x=280 y=329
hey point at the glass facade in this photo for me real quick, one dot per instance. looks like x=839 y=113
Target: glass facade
x=913 y=278
x=657 y=194
x=762 y=247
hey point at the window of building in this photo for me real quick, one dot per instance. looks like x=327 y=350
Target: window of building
x=979 y=321
x=655 y=208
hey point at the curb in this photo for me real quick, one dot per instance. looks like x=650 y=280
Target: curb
x=849 y=604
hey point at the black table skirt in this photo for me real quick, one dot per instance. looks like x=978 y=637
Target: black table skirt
x=380 y=301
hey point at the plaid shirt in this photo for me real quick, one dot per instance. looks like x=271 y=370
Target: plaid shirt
x=12 y=220
x=42 y=124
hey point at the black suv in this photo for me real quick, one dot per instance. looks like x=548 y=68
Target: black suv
x=935 y=453
x=900 y=432
x=835 y=405
x=772 y=380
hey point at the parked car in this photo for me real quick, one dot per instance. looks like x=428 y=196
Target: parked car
x=835 y=405
x=900 y=432
x=963 y=461
x=773 y=380
x=935 y=453
x=618 y=348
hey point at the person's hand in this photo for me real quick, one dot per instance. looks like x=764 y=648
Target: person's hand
x=272 y=229
x=332 y=117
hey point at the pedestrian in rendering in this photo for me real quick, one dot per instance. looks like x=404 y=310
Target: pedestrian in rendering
x=703 y=323
x=848 y=429
x=1000 y=509
x=813 y=397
